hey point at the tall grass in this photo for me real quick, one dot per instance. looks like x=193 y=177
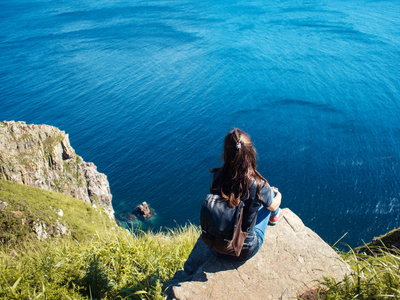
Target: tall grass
x=114 y=266
x=375 y=276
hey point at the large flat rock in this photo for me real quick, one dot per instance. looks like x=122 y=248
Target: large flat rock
x=290 y=261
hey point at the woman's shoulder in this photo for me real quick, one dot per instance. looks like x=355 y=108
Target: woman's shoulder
x=253 y=189
x=254 y=184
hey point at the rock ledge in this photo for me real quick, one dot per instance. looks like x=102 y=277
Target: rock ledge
x=290 y=261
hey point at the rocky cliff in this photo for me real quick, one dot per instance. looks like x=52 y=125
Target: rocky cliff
x=41 y=156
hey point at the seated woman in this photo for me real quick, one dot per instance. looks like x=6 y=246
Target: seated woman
x=238 y=179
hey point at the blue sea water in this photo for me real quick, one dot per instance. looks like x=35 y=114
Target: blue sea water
x=147 y=90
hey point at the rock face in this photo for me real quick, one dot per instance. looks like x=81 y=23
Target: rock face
x=290 y=260
x=41 y=156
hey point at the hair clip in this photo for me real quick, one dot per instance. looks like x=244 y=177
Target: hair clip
x=238 y=145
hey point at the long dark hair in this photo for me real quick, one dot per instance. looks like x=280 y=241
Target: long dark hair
x=234 y=178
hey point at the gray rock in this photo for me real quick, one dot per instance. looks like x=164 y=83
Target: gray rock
x=98 y=188
x=290 y=261
x=39 y=228
x=61 y=229
x=41 y=156
x=44 y=231
x=3 y=205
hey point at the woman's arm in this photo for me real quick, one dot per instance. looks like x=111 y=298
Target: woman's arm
x=276 y=201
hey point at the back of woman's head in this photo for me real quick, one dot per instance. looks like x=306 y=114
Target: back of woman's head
x=239 y=170
x=239 y=153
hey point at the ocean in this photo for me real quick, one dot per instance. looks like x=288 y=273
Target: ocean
x=147 y=91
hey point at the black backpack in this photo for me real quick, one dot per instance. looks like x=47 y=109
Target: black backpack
x=221 y=225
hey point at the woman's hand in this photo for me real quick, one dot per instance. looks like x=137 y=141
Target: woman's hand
x=276 y=201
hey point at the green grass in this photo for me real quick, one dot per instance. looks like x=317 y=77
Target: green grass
x=26 y=205
x=97 y=261
x=375 y=276
x=113 y=266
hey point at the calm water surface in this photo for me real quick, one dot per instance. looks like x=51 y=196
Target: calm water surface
x=147 y=90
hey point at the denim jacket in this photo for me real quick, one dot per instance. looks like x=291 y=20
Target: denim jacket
x=252 y=204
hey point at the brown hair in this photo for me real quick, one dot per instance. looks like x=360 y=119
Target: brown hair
x=239 y=169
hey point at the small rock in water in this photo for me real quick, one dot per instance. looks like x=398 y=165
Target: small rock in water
x=144 y=210
x=126 y=217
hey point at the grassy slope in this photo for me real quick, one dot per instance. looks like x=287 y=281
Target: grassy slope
x=30 y=204
x=95 y=262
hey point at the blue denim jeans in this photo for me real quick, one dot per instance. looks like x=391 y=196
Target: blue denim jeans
x=261 y=224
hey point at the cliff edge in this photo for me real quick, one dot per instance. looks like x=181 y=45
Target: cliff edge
x=291 y=260
x=41 y=156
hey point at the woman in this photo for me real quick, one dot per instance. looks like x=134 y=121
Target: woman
x=238 y=179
